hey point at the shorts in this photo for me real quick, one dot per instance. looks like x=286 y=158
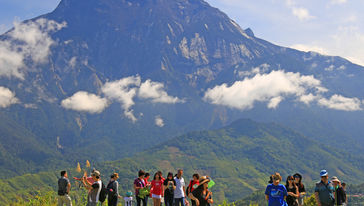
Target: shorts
x=157 y=196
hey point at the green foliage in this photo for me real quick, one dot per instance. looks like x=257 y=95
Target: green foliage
x=239 y=158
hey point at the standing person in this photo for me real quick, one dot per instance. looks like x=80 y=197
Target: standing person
x=194 y=183
x=340 y=196
x=147 y=184
x=292 y=192
x=157 y=189
x=301 y=188
x=94 y=189
x=276 y=193
x=324 y=191
x=64 y=187
x=138 y=185
x=113 y=190
x=344 y=188
x=170 y=185
x=179 y=193
x=162 y=178
x=201 y=195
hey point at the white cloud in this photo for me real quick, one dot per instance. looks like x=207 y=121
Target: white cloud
x=339 y=102
x=123 y=91
x=274 y=102
x=302 y=13
x=159 y=121
x=270 y=88
x=7 y=97
x=29 y=40
x=155 y=92
x=85 y=102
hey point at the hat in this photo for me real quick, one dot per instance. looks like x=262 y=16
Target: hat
x=323 y=173
x=335 y=179
x=297 y=175
x=204 y=179
x=95 y=173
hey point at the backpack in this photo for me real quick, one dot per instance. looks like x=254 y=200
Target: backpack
x=103 y=193
x=110 y=189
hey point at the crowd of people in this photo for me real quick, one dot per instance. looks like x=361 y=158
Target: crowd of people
x=172 y=190
x=327 y=193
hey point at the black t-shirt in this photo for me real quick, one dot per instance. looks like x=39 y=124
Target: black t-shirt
x=301 y=189
x=340 y=196
x=168 y=192
x=291 y=201
x=198 y=193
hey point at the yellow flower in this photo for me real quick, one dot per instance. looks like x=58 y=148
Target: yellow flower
x=88 y=164
x=78 y=169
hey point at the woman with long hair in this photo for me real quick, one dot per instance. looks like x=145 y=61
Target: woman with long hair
x=170 y=185
x=201 y=195
x=157 y=189
x=292 y=192
x=301 y=188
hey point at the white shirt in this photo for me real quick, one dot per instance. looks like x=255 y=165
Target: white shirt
x=178 y=192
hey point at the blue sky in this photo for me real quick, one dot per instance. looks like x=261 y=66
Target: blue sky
x=332 y=27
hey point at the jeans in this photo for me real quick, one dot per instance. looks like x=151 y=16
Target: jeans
x=112 y=201
x=179 y=201
x=64 y=199
x=146 y=200
x=168 y=201
x=139 y=200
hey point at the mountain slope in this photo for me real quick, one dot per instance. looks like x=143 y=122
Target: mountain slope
x=188 y=47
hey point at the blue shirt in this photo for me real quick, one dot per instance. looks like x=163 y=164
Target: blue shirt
x=276 y=194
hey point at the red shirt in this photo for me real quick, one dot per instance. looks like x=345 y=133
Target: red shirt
x=193 y=185
x=157 y=187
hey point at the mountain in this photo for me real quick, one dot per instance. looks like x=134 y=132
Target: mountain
x=104 y=80
x=239 y=158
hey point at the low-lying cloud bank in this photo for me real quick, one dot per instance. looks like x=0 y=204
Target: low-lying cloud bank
x=7 y=97
x=85 y=102
x=122 y=91
x=27 y=43
x=273 y=88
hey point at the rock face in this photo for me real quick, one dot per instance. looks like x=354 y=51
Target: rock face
x=183 y=48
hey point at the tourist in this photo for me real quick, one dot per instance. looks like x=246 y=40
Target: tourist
x=292 y=192
x=179 y=193
x=276 y=193
x=157 y=189
x=147 y=184
x=64 y=187
x=138 y=185
x=301 y=188
x=324 y=191
x=340 y=196
x=94 y=189
x=193 y=185
x=201 y=195
x=113 y=190
x=170 y=185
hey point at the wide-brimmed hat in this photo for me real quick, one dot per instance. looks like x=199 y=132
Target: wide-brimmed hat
x=95 y=173
x=335 y=179
x=203 y=180
x=323 y=173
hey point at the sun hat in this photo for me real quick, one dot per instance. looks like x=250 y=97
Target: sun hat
x=335 y=179
x=323 y=173
x=204 y=179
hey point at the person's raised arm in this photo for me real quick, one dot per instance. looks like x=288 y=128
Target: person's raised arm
x=87 y=186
